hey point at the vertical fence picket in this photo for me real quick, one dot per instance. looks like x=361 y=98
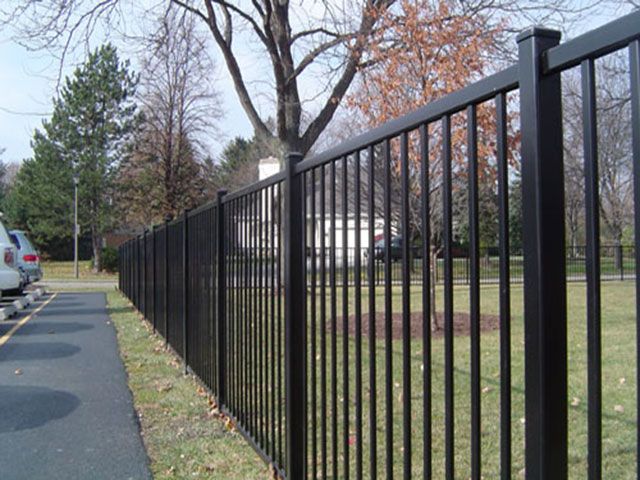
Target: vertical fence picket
x=166 y=282
x=426 y=301
x=185 y=289
x=221 y=295
x=447 y=221
x=634 y=67
x=474 y=293
x=592 y=271
x=373 y=281
x=505 y=288
x=406 y=308
x=153 y=277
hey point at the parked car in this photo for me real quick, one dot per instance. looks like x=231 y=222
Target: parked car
x=395 y=249
x=11 y=282
x=28 y=260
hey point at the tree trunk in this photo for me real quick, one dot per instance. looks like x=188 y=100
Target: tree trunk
x=96 y=243
x=486 y=258
x=617 y=254
x=573 y=242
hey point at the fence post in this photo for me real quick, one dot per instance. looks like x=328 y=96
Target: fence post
x=221 y=292
x=545 y=307
x=166 y=281
x=144 y=274
x=620 y=254
x=120 y=268
x=134 y=271
x=294 y=292
x=153 y=276
x=138 y=276
x=185 y=289
x=120 y=263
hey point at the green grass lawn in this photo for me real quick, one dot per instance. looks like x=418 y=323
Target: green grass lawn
x=184 y=437
x=57 y=270
x=618 y=380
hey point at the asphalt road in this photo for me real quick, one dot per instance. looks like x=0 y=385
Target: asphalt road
x=65 y=408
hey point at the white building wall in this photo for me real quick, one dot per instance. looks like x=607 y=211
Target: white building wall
x=270 y=166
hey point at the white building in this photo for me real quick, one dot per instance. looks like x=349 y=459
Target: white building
x=271 y=165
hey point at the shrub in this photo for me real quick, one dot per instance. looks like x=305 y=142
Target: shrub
x=110 y=259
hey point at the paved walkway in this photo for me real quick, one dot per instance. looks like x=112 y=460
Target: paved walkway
x=65 y=409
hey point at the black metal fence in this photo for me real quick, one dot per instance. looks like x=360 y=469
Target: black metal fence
x=617 y=263
x=334 y=369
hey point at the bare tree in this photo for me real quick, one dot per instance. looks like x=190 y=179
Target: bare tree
x=573 y=164
x=614 y=147
x=326 y=41
x=180 y=108
x=323 y=39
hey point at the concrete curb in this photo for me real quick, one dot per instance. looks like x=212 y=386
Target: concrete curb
x=21 y=303
x=7 y=312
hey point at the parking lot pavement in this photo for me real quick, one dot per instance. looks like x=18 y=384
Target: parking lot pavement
x=65 y=408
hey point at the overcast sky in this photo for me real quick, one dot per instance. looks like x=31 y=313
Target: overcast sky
x=27 y=85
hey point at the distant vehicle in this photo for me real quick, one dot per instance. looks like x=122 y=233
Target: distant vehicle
x=395 y=249
x=28 y=260
x=11 y=282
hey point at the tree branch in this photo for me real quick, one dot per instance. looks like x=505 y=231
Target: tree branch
x=314 y=31
x=310 y=57
x=246 y=16
x=236 y=74
x=190 y=9
x=316 y=127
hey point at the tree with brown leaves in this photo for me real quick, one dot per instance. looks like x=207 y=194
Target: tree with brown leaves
x=423 y=51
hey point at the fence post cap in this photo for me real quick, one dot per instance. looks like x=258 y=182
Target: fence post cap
x=221 y=193
x=538 y=31
x=293 y=157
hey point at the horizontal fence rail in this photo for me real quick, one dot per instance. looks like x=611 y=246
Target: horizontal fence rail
x=342 y=345
x=617 y=263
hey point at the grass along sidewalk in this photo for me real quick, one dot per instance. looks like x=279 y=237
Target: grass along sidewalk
x=183 y=435
x=58 y=270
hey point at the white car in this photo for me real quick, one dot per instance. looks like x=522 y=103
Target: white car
x=10 y=278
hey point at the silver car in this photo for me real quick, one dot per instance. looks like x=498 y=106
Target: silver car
x=28 y=260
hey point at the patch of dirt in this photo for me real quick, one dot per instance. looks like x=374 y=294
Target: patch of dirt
x=461 y=324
